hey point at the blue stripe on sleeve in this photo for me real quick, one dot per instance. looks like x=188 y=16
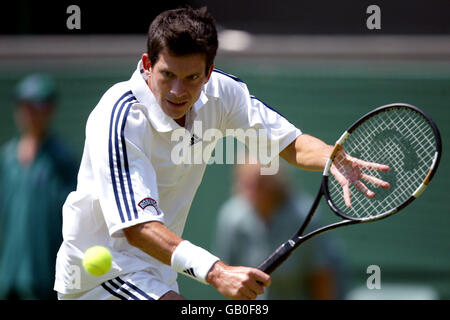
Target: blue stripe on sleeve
x=239 y=80
x=117 y=148
x=266 y=105
x=118 y=156
x=228 y=75
x=125 y=160
x=111 y=161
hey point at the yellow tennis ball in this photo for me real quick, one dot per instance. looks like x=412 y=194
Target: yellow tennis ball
x=97 y=260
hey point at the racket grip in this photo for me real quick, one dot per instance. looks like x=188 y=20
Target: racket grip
x=276 y=258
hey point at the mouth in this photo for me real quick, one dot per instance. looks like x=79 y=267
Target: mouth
x=176 y=104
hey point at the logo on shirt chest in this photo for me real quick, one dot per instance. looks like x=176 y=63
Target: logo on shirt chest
x=144 y=203
x=262 y=145
x=194 y=139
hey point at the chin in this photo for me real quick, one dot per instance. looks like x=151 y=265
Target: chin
x=176 y=114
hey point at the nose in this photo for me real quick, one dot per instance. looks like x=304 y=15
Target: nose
x=177 y=88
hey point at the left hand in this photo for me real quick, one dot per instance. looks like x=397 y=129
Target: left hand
x=348 y=170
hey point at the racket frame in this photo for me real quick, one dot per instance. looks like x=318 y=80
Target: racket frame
x=348 y=133
x=285 y=249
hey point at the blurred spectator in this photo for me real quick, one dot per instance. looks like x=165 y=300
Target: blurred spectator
x=261 y=215
x=36 y=174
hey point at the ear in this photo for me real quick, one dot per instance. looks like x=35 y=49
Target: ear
x=209 y=73
x=146 y=62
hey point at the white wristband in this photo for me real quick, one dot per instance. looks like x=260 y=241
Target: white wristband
x=192 y=261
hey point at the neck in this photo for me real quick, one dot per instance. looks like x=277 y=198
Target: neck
x=182 y=121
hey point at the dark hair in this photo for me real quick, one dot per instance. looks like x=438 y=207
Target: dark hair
x=182 y=32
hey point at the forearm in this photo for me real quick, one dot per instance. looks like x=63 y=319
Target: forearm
x=155 y=239
x=233 y=282
x=307 y=152
x=161 y=243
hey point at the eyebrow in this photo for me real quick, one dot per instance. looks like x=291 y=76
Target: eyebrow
x=189 y=75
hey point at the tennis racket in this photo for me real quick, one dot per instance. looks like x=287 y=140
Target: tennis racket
x=398 y=135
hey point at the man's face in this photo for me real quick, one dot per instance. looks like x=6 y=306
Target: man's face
x=176 y=82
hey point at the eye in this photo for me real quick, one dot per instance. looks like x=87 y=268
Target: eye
x=167 y=74
x=192 y=77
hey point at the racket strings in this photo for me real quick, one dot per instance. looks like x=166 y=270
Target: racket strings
x=400 y=138
x=408 y=178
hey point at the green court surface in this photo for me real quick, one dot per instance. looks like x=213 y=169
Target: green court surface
x=322 y=98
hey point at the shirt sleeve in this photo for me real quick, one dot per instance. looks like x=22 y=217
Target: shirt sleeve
x=256 y=124
x=123 y=170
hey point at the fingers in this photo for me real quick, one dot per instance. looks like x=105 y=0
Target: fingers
x=240 y=282
x=345 y=184
x=362 y=164
x=348 y=170
x=347 y=198
x=369 y=165
x=254 y=284
x=361 y=187
x=262 y=277
x=375 y=181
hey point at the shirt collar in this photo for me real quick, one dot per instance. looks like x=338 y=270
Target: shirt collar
x=160 y=121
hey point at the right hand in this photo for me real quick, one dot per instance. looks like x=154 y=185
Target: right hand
x=243 y=283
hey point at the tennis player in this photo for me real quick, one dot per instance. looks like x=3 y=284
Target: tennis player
x=133 y=199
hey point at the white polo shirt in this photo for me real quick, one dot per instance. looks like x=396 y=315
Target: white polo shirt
x=128 y=174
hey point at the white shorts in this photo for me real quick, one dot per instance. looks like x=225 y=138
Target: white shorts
x=140 y=285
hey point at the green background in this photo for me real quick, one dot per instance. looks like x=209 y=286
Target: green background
x=322 y=98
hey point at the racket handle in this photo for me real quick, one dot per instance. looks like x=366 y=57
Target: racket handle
x=276 y=258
